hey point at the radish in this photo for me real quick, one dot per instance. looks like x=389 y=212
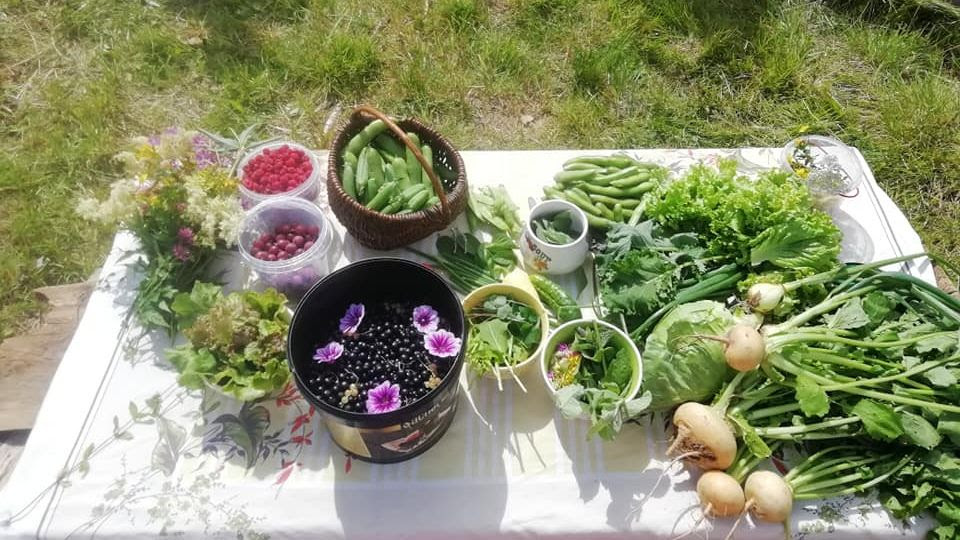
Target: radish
x=703 y=437
x=769 y=497
x=721 y=494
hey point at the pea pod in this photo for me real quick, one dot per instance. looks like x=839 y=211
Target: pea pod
x=351 y=158
x=417 y=201
x=367 y=134
x=412 y=190
x=400 y=172
x=413 y=166
x=611 y=191
x=432 y=201
x=622 y=173
x=556 y=299
x=428 y=157
x=382 y=197
x=362 y=170
x=375 y=177
x=349 y=182
x=393 y=207
x=605 y=211
x=388 y=145
x=582 y=167
x=570 y=177
x=627 y=203
x=630 y=181
x=618 y=213
x=581 y=200
x=599 y=222
x=618 y=161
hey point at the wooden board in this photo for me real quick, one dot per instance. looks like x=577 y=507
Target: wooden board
x=28 y=362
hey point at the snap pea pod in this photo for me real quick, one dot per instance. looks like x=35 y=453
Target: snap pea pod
x=411 y=191
x=414 y=169
x=362 y=139
x=351 y=158
x=618 y=213
x=570 y=177
x=400 y=172
x=349 y=182
x=428 y=157
x=556 y=299
x=388 y=145
x=432 y=201
x=362 y=170
x=582 y=167
x=417 y=201
x=605 y=211
x=626 y=203
x=393 y=207
x=617 y=192
x=388 y=175
x=622 y=173
x=375 y=176
x=631 y=181
x=618 y=161
x=383 y=196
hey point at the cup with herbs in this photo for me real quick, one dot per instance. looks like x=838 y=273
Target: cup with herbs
x=593 y=370
x=507 y=327
x=555 y=238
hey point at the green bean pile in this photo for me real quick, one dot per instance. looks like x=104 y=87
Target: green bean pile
x=609 y=189
x=382 y=174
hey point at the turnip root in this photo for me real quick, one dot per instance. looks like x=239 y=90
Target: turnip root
x=720 y=494
x=769 y=496
x=745 y=348
x=704 y=436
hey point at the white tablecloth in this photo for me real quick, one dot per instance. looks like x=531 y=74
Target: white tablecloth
x=120 y=450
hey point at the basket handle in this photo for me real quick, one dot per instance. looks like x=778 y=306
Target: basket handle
x=427 y=167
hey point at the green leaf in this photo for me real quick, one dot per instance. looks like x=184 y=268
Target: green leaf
x=754 y=442
x=811 y=396
x=851 y=315
x=568 y=401
x=496 y=334
x=941 y=376
x=638 y=405
x=791 y=244
x=918 y=431
x=620 y=369
x=877 y=306
x=879 y=419
x=949 y=425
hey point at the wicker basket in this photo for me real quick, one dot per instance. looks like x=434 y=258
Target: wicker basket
x=383 y=231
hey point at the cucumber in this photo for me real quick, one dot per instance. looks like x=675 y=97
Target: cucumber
x=556 y=299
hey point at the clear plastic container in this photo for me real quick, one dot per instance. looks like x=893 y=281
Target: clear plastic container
x=827 y=165
x=295 y=275
x=308 y=190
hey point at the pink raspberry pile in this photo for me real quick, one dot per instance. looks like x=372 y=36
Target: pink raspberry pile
x=286 y=241
x=276 y=170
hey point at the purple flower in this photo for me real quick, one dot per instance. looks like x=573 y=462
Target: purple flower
x=185 y=234
x=328 y=353
x=203 y=154
x=181 y=252
x=425 y=319
x=442 y=343
x=383 y=398
x=352 y=319
x=563 y=350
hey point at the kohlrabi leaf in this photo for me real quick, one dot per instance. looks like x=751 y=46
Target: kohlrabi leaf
x=943 y=342
x=813 y=400
x=918 y=431
x=949 y=425
x=850 y=316
x=941 y=376
x=879 y=419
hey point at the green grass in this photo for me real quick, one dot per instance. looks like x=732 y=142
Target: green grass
x=77 y=79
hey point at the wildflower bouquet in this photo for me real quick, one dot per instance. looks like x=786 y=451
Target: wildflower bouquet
x=180 y=200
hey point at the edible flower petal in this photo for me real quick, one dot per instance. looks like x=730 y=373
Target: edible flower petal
x=352 y=319
x=442 y=343
x=425 y=319
x=328 y=353
x=383 y=398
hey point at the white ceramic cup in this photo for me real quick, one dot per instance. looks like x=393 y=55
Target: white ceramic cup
x=546 y=258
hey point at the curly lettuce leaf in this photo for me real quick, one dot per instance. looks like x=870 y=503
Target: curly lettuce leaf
x=796 y=244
